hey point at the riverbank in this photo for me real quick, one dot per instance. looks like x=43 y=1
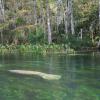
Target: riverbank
x=35 y=49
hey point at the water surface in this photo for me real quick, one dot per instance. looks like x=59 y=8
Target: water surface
x=80 y=77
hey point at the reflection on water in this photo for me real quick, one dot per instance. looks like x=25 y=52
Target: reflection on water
x=80 y=77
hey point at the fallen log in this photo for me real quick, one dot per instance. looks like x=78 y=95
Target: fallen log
x=43 y=75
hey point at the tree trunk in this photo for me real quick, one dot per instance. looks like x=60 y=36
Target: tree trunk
x=1 y=37
x=99 y=16
x=81 y=33
x=2 y=18
x=48 y=22
x=72 y=18
x=42 y=14
x=66 y=19
x=59 y=12
x=35 y=12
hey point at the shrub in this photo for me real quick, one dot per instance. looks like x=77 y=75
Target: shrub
x=20 y=21
x=36 y=36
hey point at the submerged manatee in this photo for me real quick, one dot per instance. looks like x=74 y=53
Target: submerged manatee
x=43 y=75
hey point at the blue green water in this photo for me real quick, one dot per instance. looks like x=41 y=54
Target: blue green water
x=80 y=77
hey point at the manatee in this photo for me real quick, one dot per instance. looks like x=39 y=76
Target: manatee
x=41 y=74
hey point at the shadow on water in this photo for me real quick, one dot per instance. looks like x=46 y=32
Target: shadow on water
x=80 y=77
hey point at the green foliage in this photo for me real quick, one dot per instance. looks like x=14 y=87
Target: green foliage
x=35 y=49
x=78 y=43
x=36 y=36
x=20 y=21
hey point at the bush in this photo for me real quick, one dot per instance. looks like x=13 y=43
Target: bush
x=36 y=36
x=77 y=43
x=20 y=21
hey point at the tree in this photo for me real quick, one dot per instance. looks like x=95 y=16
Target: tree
x=59 y=12
x=69 y=18
x=72 y=17
x=2 y=14
x=99 y=15
x=42 y=16
x=35 y=11
x=66 y=18
x=48 y=22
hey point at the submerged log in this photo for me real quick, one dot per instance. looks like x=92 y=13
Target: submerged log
x=43 y=75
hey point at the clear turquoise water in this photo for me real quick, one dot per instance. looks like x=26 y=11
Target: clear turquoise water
x=80 y=77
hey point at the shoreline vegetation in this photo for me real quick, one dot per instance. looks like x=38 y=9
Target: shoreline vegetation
x=43 y=49
x=35 y=49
